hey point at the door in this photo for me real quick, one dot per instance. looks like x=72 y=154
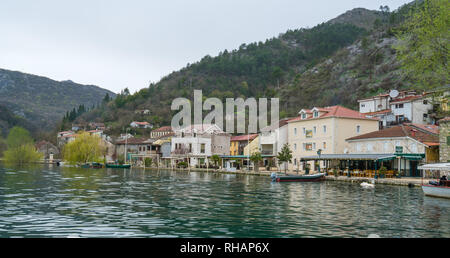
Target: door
x=413 y=166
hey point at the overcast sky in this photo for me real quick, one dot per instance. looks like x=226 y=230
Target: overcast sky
x=118 y=44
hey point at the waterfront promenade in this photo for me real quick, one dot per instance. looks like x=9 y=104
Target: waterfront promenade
x=404 y=181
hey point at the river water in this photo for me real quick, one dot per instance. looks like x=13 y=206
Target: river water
x=45 y=201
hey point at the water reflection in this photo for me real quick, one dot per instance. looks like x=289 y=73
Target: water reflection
x=71 y=202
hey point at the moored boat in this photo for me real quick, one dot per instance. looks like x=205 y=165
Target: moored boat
x=298 y=178
x=441 y=187
x=118 y=166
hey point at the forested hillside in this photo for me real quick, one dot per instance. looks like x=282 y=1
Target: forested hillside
x=349 y=57
x=40 y=101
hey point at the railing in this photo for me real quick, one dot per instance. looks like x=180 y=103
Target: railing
x=266 y=152
x=181 y=151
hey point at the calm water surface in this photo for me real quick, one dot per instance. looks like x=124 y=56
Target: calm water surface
x=48 y=201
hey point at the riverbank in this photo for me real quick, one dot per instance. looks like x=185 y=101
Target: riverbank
x=405 y=181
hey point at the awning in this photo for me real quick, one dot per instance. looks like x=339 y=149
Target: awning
x=411 y=156
x=379 y=157
x=436 y=166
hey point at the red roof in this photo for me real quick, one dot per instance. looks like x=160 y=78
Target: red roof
x=378 y=112
x=336 y=111
x=132 y=141
x=243 y=137
x=407 y=99
x=400 y=131
x=429 y=128
x=141 y=123
x=163 y=129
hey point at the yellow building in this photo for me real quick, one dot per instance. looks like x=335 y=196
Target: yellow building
x=325 y=129
x=239 y=143
x=252 y=147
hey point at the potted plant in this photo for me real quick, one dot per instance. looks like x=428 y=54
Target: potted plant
x=382 y=172
x=335 y=173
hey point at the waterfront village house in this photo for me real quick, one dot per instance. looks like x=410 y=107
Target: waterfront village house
x=137 y=150
x=142 y=112
x=272 y=139
x=49 y=150
x=143 y=125
x=407 y=106
x=165 y=143
x=78 y=127
x=325 y=129
x=195 y=143
x=97 y=126
x=407 y=146
x=238 y=143
x=160 y=132
x=444 y=139
x=65 y=137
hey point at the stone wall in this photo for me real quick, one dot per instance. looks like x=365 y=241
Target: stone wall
x=444 y=148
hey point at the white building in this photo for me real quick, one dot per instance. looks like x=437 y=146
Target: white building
x=414 y=109
x=272 y=139
x=144 y=125
x=398 y=107
x=198 y=142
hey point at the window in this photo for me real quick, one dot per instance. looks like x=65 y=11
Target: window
x=182 y=134
x=369 y=147
x=316 y=114
x=363 y=105
x=295 y=131
x=202 y=148
x=324 y=145
x=448 y=140
x=425 y=102
x=295 y=161
x=295 y=146
x=308 y=146
x=314 y=129
x=309 y=133
x=314 y=146
x=304 y=130
x=425 y=116
x=195 y=135
x=358 y=147
x=399 y=105
x=324 y=128
x=386 y=147
x=303 y=116
x=358 y=129
x=190 y=147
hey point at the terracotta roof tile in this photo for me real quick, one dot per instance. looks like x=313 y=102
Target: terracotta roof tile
x=244 y=137
x=336 y=111
x=399 y=131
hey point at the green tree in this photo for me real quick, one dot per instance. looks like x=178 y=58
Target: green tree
x=256 y=158
x=85 y=148
x=216 y=159
x=284 y=156
x=21 y=148
x=18 y=136
x=424 y=43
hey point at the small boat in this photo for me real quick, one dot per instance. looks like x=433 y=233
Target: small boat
x=438 y=188
x=92 y=165
x=118 y=166
x=298 y=178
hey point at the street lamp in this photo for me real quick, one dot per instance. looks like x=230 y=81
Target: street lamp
x=126 y=143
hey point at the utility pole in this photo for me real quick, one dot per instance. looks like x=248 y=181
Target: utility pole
x=126 y=143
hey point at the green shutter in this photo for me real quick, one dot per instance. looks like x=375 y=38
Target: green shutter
x=448 y=140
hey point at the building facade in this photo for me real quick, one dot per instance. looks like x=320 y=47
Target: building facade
x=444 y=139
x=408 y=145
x=325 y=129
x=194 y=144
